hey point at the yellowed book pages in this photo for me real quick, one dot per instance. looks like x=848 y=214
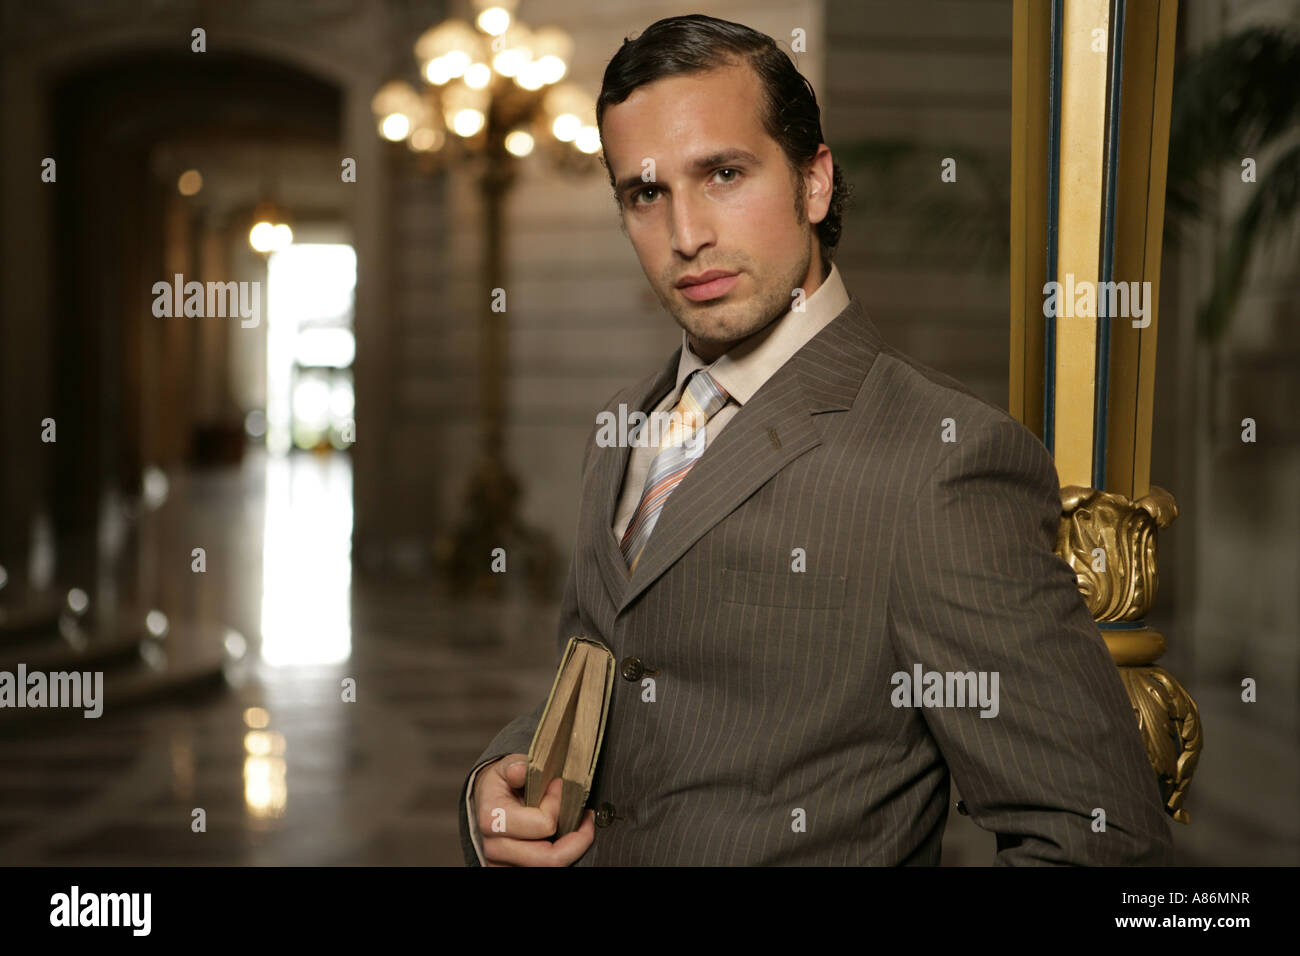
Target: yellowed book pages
x=571 y=730
x=550 y=744
x=580 y=762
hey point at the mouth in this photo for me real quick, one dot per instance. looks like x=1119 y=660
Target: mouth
x=707 y=285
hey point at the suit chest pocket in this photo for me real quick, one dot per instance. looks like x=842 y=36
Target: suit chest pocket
x=794 y=589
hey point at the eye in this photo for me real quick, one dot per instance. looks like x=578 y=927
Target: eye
x=735 y=173
x=641 y=194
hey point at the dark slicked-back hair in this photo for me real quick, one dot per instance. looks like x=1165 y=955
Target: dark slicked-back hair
x=696 y=43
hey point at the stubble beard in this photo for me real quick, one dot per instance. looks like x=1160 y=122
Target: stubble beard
x=724 y=324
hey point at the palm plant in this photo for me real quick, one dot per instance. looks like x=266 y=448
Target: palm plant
x=1230 y=101
x=902 y=178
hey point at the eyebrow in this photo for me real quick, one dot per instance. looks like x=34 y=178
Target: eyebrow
x=722 y=157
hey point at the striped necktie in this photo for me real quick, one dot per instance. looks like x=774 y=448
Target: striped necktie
x=678 y=451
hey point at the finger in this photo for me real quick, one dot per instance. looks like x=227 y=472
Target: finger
x=515 y=771
x=504 y=851
x=571 y=846
x=509 y=852
x=551 y=799
x=505 y=818
x=517 y=820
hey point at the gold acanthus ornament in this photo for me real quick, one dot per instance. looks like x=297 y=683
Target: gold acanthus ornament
x=1110 y=542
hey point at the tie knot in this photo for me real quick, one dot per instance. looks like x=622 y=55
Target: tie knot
x=704 y=391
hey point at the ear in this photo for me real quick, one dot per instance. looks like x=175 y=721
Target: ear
x=818 y=181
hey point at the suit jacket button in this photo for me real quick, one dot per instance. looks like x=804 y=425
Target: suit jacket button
x=632 y=668
x=605 y=815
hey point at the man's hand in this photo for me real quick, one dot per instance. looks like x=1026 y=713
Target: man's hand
x=523 y=841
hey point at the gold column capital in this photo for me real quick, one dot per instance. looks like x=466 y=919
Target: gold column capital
x=1109 y=540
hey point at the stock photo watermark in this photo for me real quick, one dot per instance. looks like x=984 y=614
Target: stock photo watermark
x=922 y=688
x=77 y=909
x=178 y=298
x=1079 y=299
x=639 y=430
x=56 y=689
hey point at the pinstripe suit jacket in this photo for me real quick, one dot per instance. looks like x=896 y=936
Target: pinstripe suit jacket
x=771 y=737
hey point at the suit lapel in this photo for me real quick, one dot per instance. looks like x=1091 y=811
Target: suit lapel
x=769 y=432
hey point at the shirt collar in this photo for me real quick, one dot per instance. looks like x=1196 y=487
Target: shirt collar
x=743 y=370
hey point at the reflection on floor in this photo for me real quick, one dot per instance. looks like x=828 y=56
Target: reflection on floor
x=286 y=769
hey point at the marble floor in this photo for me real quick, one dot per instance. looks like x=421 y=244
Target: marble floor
x=284 y=767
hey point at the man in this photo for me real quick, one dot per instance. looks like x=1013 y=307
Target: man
x=828 y=521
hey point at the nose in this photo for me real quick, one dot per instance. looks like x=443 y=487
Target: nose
x=692 y=227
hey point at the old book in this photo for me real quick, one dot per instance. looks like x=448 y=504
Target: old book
x=568 y=737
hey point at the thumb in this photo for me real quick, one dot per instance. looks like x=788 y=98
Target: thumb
x=515 y=769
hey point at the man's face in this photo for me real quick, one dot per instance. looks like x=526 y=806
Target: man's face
x=716 y=228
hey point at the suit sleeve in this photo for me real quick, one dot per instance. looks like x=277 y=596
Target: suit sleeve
x=977 y=586
x=517 y=736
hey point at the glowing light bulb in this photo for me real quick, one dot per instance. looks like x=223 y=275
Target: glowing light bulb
x=394 y=127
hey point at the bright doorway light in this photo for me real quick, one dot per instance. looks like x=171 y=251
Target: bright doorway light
x=309 y=343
